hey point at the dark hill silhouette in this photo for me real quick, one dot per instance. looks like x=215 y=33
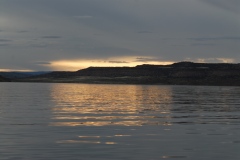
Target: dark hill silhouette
x=3 y=79
x=15 y=75
x=182 y=73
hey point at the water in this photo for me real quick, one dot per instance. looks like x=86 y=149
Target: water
x=115 y=122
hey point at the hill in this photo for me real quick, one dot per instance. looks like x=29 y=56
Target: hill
x=182 y=73
x=3 y=79
x=16 y=75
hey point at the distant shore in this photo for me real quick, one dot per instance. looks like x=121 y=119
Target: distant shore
x=3 y=79
x=181 y=73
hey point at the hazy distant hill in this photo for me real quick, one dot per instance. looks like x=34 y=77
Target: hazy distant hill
x=182 y=73
x=17 y=75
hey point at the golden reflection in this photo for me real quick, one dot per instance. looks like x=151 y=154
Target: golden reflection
x=110 y=140
x=110 y=143
x=107 y=105
x=106 y=123
x=89 y=136
x=89 y=142
x=120 y=135
x=77 y=141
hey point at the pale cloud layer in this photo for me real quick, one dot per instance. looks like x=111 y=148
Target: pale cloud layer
x=39 y=34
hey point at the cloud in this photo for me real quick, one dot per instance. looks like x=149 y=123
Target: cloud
x=103 y=51
x=147 y=59
x=22 y=31
x=144 y=32
x=39 y=45
x=43 y=63
x=51 y=37
x=229 y=5
x=4 y=45
x=5 y=40
x=203 y=44
x=215 y=38
x=118 y=62
x=100 y=29
x=15 y=70
x=76 y=64
x=83 y=17
x=212 y=60
x=226 y=60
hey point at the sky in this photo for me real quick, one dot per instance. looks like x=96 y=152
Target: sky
x=43 y=35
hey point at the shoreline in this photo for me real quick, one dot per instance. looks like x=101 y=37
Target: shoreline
x=181 y=73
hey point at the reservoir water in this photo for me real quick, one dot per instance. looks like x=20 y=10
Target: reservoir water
x=44 y=121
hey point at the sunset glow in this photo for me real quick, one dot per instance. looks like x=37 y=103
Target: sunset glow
x=15 y=70
x=73 y=65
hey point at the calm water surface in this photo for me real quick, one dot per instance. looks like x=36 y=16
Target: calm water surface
x=116 y=122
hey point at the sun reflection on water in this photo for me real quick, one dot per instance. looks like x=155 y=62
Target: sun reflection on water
x=109 y=140
x=105 y=105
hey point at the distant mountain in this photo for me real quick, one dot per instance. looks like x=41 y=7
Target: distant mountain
x=17 y=75
x=181 y=73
